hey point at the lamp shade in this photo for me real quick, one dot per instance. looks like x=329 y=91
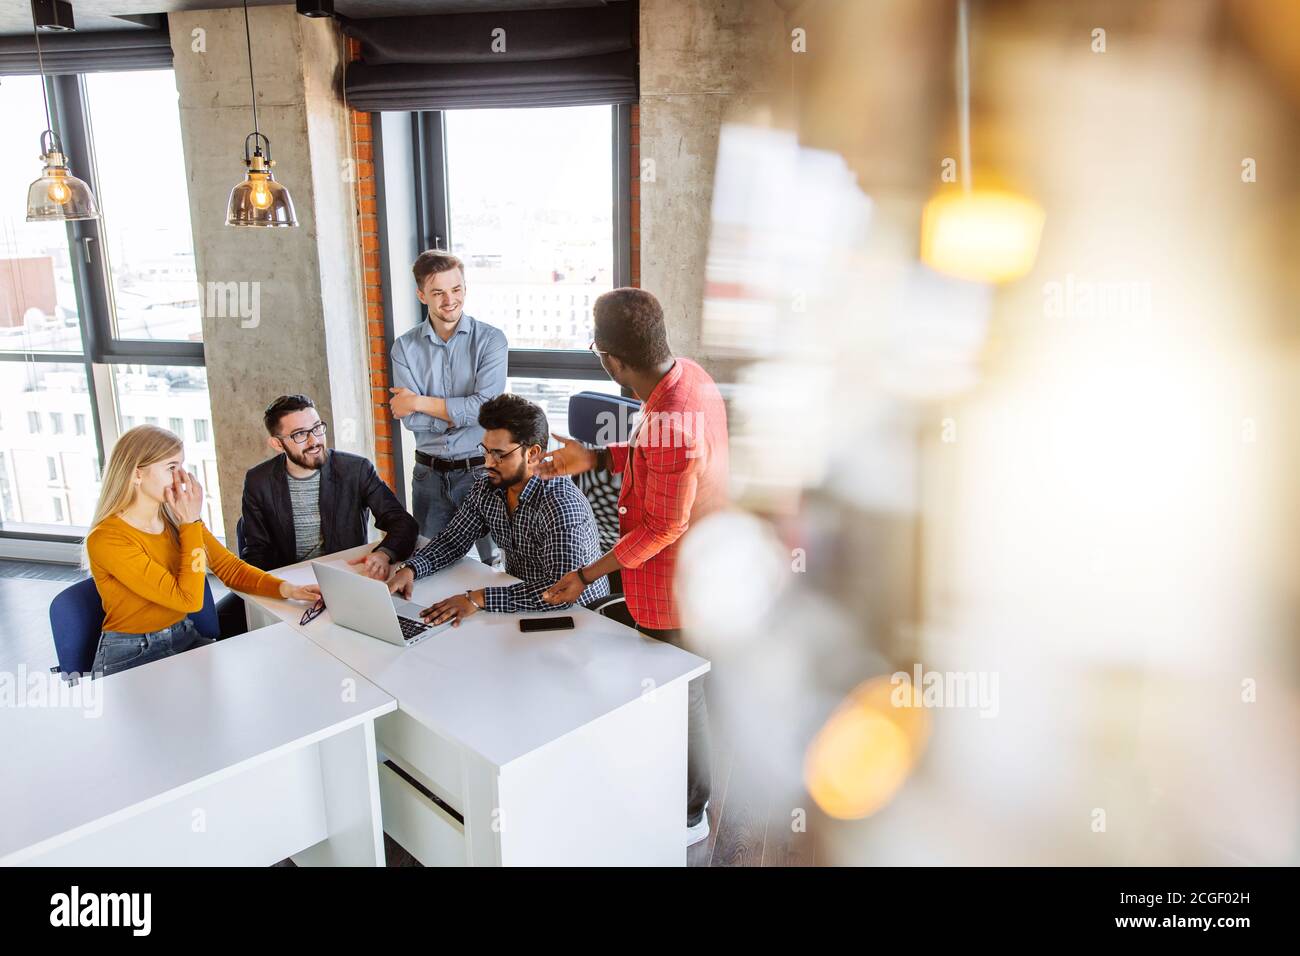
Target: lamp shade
x=58 y=196
x=982 y=236
x=259 y=200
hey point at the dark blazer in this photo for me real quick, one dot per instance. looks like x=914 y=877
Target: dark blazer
x=350 y=490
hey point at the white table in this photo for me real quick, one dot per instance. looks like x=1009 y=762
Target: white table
x=555 y=747
x=242 y=752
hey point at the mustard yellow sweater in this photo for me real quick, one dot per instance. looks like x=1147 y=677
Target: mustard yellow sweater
x=151 y=581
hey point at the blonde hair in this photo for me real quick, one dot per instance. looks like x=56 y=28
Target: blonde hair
x=137 y=447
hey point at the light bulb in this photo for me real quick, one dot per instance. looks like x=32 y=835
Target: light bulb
x=261 y=196
x=981 y=236
x=59 y=192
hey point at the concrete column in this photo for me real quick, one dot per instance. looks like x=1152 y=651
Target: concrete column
x=703 y=62
x=302 y=325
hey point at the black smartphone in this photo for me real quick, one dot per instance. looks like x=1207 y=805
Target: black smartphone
x=527 y=624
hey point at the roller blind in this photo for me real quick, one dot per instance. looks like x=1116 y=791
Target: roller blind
x=567 y=57
x=95 y=52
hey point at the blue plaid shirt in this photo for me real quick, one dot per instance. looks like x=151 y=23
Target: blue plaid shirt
x=551 y=533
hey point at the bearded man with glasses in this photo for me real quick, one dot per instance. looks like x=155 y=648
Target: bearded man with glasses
x=545 y=526
x=310 y=500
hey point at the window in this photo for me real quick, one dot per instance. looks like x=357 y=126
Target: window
x=177 y=425
x=553 y=395
x=87 y=303
x=46 y=388
x=150 y=245
x=6 y=491
x=38 y=299
x=542 y=231
x=533 y=226
x=200 y=429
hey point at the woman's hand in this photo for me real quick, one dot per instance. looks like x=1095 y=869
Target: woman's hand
x=296 y=592
x=184 y=496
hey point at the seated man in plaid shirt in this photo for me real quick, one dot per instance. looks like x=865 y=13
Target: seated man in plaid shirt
x=544 y=526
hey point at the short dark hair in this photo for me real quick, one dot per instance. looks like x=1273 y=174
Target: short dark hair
x=630 y=325
x=284 y=405
x=524 y=421
x=431 y=262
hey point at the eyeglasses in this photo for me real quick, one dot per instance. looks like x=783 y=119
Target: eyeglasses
x=313 y=612
x=493 y=455
x=301 y=434
x=592 y=347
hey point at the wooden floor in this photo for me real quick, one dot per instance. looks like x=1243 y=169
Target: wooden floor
x=748 y=826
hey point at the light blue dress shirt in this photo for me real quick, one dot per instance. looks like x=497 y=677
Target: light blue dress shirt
x=466 y=370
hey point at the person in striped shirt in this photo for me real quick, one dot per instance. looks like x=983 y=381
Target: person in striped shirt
x=675 y=471
x=545 y=526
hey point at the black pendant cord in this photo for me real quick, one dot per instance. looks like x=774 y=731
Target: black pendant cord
x=963 y=90
x=40 y=65
x=252 y=88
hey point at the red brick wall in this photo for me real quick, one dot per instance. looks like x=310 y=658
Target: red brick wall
x=372 y=287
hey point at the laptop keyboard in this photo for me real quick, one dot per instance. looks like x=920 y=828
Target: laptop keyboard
x=411 y=628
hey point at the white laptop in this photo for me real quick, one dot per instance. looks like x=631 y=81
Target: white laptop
x=364 y=605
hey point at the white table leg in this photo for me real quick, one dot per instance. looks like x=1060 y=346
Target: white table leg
x=350 y=783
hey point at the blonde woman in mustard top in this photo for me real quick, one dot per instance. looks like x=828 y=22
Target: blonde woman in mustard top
x=148 y=553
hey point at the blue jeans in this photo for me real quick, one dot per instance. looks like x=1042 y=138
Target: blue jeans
x=435 y=496
x=119 y=651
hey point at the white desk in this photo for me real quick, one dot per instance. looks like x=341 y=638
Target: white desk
x=556 y=747
x=242 y=752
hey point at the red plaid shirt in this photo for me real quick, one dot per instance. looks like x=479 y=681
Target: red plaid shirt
x=674 y=472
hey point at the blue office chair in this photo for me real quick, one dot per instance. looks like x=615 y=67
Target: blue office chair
x=77 y=619
x=599 y=419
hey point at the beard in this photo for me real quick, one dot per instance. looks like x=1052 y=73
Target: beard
x=303 y=460
x=503 y=480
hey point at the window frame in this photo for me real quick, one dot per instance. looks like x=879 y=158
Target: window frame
x=91 y=278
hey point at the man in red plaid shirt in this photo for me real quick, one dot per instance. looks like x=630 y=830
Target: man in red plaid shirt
x=674 y=472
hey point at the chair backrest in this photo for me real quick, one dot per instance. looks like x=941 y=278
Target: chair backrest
x=614 y=606
x=599 y=419
x=239 y=537
x=77 y=620
x=206 y=620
